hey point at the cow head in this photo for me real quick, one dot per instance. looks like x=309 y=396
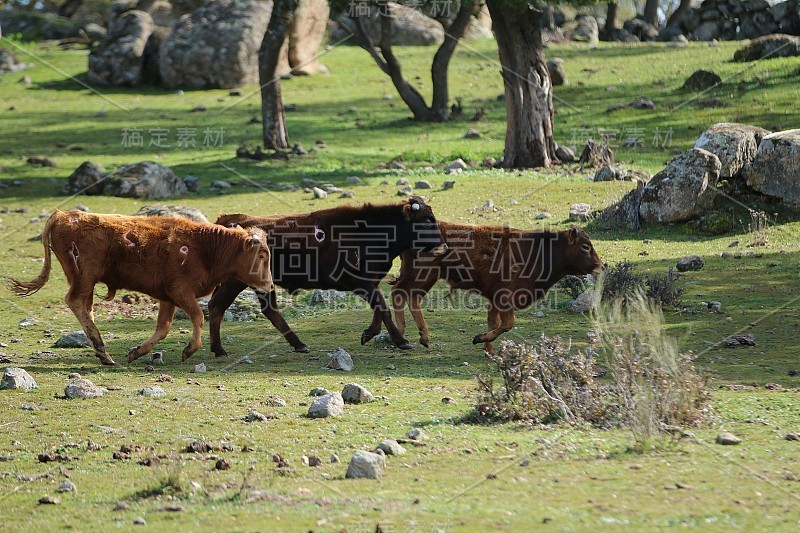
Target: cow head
x=426 y=234
x=254 y=266
x=580 y=258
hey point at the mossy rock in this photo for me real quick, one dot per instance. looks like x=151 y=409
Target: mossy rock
x=714 y=223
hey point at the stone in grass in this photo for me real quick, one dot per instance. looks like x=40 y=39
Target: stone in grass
x=340 y=360
x=448 y=184
x=17 y=378
x=153 y=392
x=579 y=212
x=329 y=405
x=458 y=164
x=67 y=486
x=366 y=465
x=199 y=368
x=728 y=439
x=354 y=393
x=793 y=436
x=319 y=391
x=76 y=339
x=49 y=500
x=690 y=263
x=416 y=434
x=423 y=184
x=82 y=389
x=391 y=447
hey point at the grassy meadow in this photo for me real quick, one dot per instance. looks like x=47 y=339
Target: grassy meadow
x=465 y=477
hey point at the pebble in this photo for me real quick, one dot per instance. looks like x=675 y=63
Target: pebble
x=391 y=447
x=793 y=436
x=319 y=391
x=199 y=368
x=154 y=391
x=49 y=500
x=353 y=393
x=416 y=434
x=139 y=521
x=728 y=439
x=334 y=458
x=67 y=486
x=329 y=405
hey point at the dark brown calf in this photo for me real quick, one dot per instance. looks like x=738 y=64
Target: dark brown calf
x=171 y=259
x=511 y=268
x=347 y=248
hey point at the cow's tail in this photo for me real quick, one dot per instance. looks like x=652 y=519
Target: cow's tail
x=26 y=288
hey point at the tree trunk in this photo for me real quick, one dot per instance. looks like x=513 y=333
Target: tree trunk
x=528 y=89
x=611 y=20
x=272 y=113
x=440 y=107
x=69 y=8
x=680 y=12
x=651 y=12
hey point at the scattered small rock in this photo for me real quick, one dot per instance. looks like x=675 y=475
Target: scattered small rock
x=728 y=439
x=222 y=464
x=314 y=461
x=275 y=402
x=319 y=193
x=472 y=133
x=458 y=164
x=340 y=360
x=82 y=389
x=139 y=521
x=154 y=391
x=583 y=303
x=690 y=263
x=738 y=340
x=319 y=391
x=198 y=369
x=423 y=184
x=29 y=407
x=793 y=436
x=391 y=447
x=543 y=216
x=17 y=378
x=448 y=184
x=67 y=486
x=416 y=434
x=366 y=465
x=76 y=339
x=255 y=416
x=354 y=180
x=405 y=190
x=354 y=393
x=325 y=406
x=49 y=500
x=28 y=322
x=579 y=212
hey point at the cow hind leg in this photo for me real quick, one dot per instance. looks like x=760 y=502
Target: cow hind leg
x=493 y=321
x=399 y=298
x=166 y=312
x=220 y=301
x=415 y=306
x=506 y=323
x=80 y=302
x=269 y=307
x=196 y=316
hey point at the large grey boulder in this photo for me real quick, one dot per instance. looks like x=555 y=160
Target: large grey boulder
x=775 y=170
x=170 y=210
x=17 y=378
x=557 y=73
x=734 y=144
x=328 y=405
x=587 y=31
x=681 y=191
x=144 y=180
x=89 y=179
x=769 y=47
x=216 y=46
x=410 y=27
x=366 y=465
x=306 y=35
x=36 y=25
x=355 y=394
x=119 y=58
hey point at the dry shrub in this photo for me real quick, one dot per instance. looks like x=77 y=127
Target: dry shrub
x=544 y=382
x=655 y=384
x=620 y=282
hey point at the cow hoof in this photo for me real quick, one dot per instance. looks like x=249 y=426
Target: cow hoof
x=219 y=352
x=423 y=342
x=304 y=349
x=477 y=339
x=133 y=355
x=186 y=354
x=366 y=337
x=405 y=345
x=106 y=360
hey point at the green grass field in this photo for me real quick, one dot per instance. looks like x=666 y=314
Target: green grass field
x=577 y=479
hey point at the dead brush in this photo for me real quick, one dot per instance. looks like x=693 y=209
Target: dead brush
x=757 y=229
x=656 y=385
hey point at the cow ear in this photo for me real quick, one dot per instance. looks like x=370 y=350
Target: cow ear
x=572 y=234
x=407 y=212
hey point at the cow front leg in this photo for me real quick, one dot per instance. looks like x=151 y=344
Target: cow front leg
x=399 y=297
x=374 y=297
x=192 y=309
x=506 y=323
x=80 y=302
x=221 y=300
x=166 y=313
x=269 y=307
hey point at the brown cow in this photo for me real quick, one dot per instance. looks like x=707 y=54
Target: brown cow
x=512 y=268
x=171 y=259
x=347 y=248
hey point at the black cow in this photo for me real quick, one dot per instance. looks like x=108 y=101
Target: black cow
x=347 y=248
